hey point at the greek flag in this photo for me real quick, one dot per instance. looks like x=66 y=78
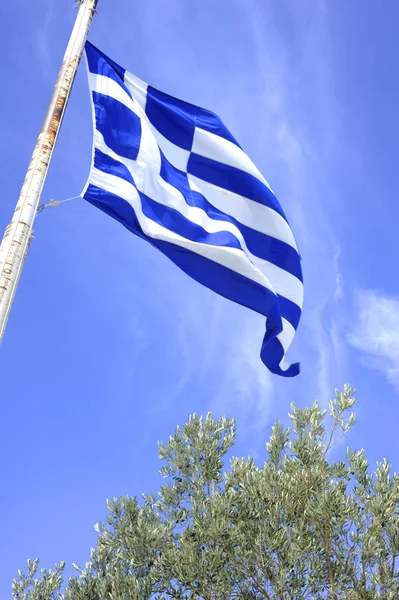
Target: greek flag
x=173 y=174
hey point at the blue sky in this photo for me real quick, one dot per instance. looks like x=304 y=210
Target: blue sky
x=109 y=346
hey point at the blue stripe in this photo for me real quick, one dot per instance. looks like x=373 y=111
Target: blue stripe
x=120 y=127
x=210 y=122
x=290 y=311
x=173 y=118
x=272 y=353
x=234 y=180
x=275 y=251
x=114 y=206
x=176 y=120
x=106 y=164
x=172 y=219
x=100 y=64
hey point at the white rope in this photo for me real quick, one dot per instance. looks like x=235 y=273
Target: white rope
x=55 y=203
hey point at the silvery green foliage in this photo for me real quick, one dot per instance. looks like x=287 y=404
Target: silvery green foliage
x=29 y=587
x=300 y=527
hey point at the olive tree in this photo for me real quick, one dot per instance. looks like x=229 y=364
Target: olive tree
x=302 y=526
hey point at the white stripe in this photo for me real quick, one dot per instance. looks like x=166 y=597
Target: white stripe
x=109 y=87
x=287 y=335
x=284 y=283
x=216 y=148
x=137 y=88
x=231 y=258
x=249 y=213
x=178 y=157
x=285 y=338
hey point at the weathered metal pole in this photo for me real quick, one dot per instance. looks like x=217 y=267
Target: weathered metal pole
x=17 y=236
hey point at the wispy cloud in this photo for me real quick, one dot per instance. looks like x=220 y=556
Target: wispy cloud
x=42 y=39
x=376 y=332
x=339 y=279
x=246 y=389
x=326 y=325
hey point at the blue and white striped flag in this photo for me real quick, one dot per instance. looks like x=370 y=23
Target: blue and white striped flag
x=173 y=174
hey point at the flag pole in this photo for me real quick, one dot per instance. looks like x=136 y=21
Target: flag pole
x=15 y=243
